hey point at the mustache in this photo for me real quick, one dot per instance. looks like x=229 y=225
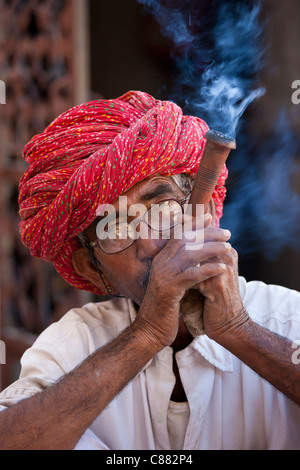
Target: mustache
x=144 y=279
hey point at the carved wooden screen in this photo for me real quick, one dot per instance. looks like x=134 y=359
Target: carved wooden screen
x=38 y=71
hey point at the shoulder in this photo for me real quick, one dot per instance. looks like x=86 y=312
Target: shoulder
x=79 y=333
x=106 y=318
x=67 y=343
x=272 y=306
x=83 y=330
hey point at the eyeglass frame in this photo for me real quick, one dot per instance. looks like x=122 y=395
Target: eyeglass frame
x=91 y=245
x=96 y=243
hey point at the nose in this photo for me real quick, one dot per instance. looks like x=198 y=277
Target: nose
x=149 y=242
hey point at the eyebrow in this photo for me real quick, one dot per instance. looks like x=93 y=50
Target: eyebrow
x=159 y=190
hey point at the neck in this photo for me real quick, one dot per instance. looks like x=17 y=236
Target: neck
x=183 y=338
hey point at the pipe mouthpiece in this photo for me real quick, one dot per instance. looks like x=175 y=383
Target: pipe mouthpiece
x=221 y=139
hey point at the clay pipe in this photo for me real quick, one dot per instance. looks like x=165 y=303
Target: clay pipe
x=215 y=154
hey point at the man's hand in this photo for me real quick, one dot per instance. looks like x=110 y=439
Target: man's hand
x=175 y=270
x=223 y=312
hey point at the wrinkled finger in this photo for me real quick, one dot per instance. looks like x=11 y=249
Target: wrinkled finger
x=195 y=275
x=216 y=234
x=206 y=251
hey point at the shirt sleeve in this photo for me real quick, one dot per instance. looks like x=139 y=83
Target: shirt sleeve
x=274 y=307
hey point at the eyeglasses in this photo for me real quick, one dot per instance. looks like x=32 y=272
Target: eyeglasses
x=161 y=218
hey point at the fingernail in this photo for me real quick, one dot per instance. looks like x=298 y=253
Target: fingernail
x=227 y=233
x=227 y=246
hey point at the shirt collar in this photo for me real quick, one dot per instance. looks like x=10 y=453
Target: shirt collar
x=213 y=352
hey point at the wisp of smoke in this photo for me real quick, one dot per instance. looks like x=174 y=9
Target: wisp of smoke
x=216 y=65
x=263 y=207
x=218 y=51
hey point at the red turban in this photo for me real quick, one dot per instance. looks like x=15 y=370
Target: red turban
x=89 y=156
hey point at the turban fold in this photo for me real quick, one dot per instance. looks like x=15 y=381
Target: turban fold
x=89 y=156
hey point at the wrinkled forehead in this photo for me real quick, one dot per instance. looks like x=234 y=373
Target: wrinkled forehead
x=148 y=190
x=151 y=187
x=156 y=186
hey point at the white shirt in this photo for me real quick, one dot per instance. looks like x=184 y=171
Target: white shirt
x=230 y=406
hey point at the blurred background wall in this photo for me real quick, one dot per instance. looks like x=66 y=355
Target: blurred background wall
x=45 y=72
x=58 y=53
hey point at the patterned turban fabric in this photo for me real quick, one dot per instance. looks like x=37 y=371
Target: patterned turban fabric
x=89 y=156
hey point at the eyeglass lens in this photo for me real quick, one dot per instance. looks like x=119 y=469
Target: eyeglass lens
x=160 y=218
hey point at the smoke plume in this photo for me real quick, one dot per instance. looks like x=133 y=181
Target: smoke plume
x=219 y=49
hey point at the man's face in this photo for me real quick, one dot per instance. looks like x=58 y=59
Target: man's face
x=128 y=271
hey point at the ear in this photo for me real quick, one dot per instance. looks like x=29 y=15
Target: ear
x=85 y=268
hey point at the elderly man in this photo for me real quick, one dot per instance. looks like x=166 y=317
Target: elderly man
x=127 y=373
